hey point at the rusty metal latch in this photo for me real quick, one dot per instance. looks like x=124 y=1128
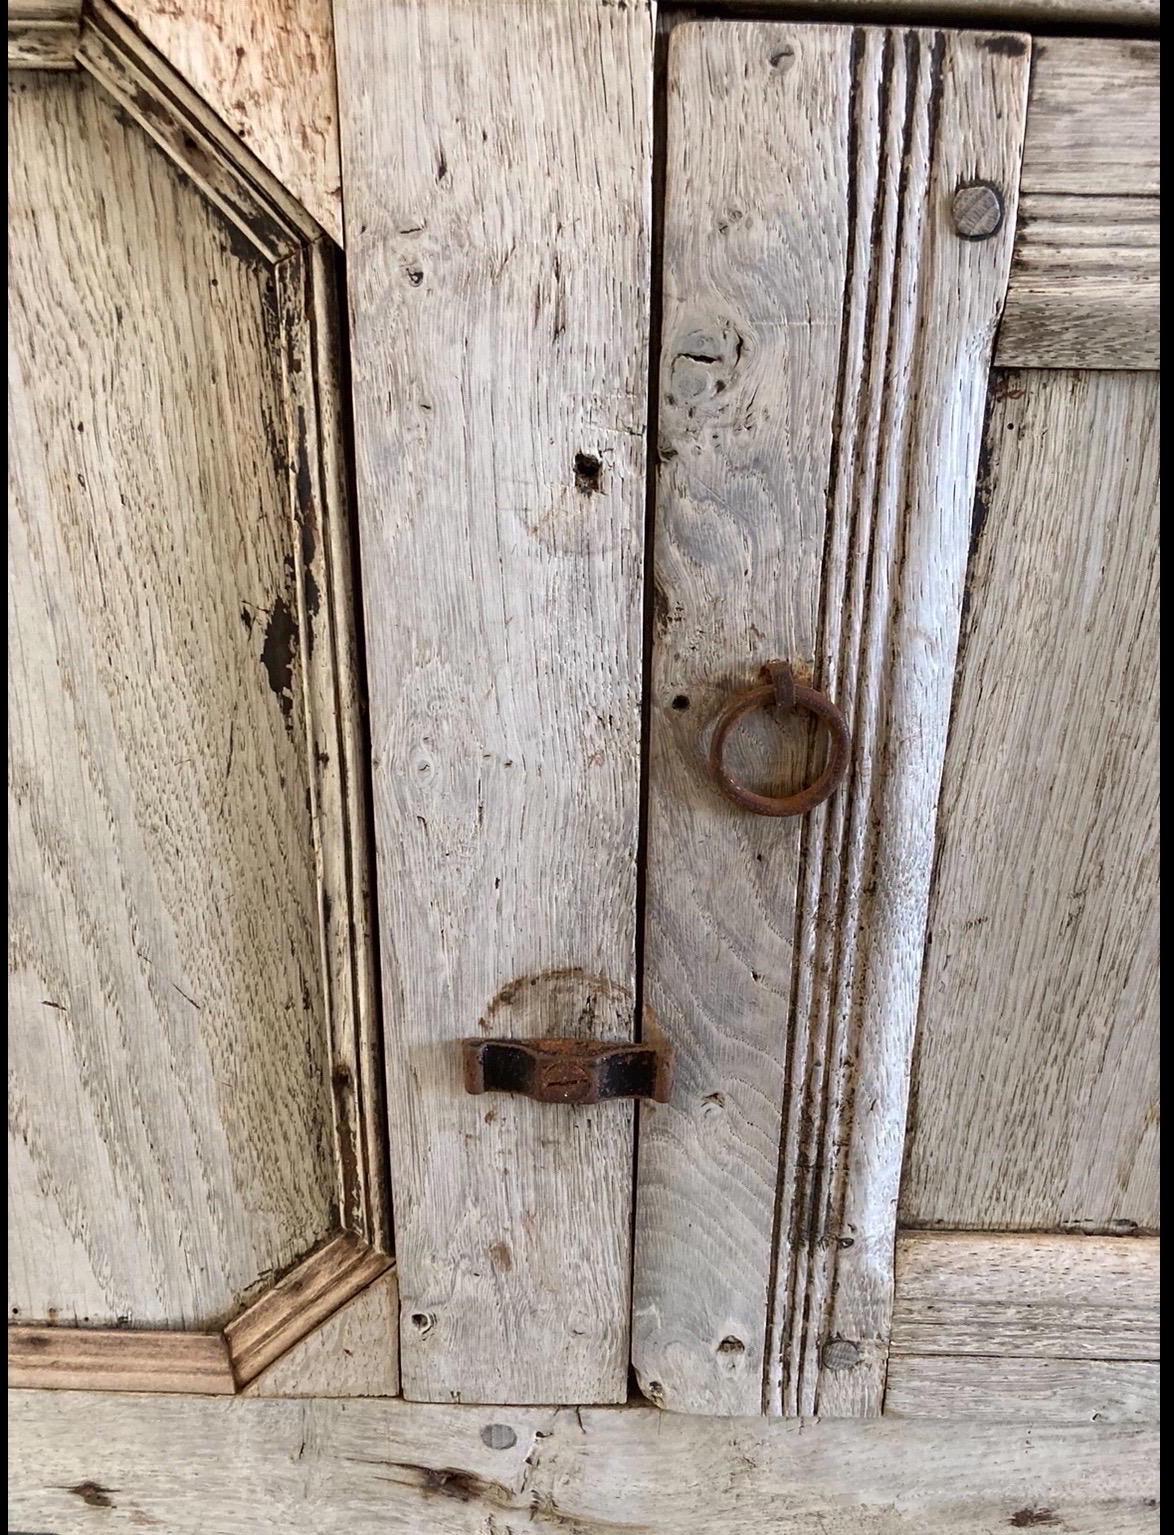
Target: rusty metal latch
x=567 y=1070
x=780 y=689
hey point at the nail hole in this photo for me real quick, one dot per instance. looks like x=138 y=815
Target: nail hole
x=415 y=276
x=681 y=701
x=421 y=1320
x=588 y=471
x=783 y=59
x=731 y=1346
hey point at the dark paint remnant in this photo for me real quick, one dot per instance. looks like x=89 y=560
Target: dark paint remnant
x=313 y=600
x=1033 y=1518
x=1008 y=47
x=588 y=473
x=278 y=651
x=501 y=1257
x=93 y=1494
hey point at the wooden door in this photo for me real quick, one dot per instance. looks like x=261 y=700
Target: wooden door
x=370 y=616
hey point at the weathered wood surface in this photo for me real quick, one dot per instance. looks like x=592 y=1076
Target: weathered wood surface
x=1029 y=1296
x=355 y=1352
x=267 y=69
x=1036 y=1082
x=189 y=132
x=169 y=1120
x=498 y=251
x=1005 y=1390
x=1093 y=121
x=82 y=1463
x=1085 y=288
x=827 y=336
x=43 y=34
x=110 y=1359
x=314 y=1290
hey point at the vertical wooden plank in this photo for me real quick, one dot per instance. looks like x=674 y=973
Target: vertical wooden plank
x=796 y=1048
x=755 y=256
x=498 y=188
x=1037 y=1070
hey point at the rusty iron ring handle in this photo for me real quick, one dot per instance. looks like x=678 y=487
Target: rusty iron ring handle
x=781 y=689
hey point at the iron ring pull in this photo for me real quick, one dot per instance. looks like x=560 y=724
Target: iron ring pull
x=782 y=691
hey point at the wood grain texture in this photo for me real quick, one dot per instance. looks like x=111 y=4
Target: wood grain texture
x=1085 y=287
x=498 y=229
x=1093 y=121
x=103 y=1359
x=1033 y=1391
x=267 y=70
x=355 y=1352
x=1026 y=1296
x=80 y=1463
x=312 y=1291
x=169 y=1123
x=827 y=339
x=1038 y=1046
x=306 y=348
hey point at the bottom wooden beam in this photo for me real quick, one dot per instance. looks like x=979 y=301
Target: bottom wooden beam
x=194 y=1465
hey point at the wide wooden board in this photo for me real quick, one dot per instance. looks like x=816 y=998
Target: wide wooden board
x=498 y=249
x=823 y=378
x=170 y=1122
x=82 y=1463
x=1036 y=1082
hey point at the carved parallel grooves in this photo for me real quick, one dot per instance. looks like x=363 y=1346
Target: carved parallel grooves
x=897 y=414
x=892 y=168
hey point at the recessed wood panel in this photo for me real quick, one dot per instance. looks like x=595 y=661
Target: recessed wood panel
x=170 y=1124
x=1036 y=1080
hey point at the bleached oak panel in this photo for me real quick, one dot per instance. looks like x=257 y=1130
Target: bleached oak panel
x=498 y=256
x=1036 y=1081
